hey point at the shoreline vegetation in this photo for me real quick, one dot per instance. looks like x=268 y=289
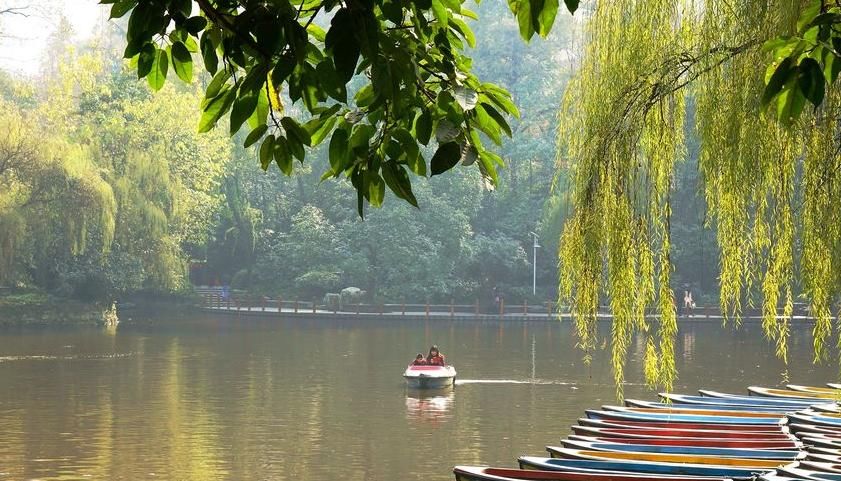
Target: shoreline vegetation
x=30 y=308
x=36 y=308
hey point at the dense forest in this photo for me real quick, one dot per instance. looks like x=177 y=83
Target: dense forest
x=107 y=189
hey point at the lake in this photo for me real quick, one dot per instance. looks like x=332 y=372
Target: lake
x=248 y=399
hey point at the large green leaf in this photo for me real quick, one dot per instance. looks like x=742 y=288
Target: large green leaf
x=267 y=152
x=157 y=74
x=145 y=59
x=342 y=43
x=216 y=108
x=244 y=106
x=398 y=181
x=445 y=158
x=182 y=62
x=293 y=129
x=338 y=151
x=811 y=81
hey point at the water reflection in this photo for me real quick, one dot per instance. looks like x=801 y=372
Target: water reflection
x=429 y=405
x=214 y=399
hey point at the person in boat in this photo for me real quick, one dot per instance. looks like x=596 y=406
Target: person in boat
x=419 y=360
x=435 y=358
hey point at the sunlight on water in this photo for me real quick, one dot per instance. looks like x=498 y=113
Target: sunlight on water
x=220 y=399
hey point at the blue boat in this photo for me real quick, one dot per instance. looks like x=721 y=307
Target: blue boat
x=683 y=418
x=780 y=410
x=760 y=400
x=814 y=418
x=554 y=464
x=702 y=451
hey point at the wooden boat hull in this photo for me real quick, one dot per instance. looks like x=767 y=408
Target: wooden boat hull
x=682 y=418
x=532 y=462
x=814 y=389
x=696 y=410
x=755 y=464
x=677 y=432
x=635 y=403
x=797 y=472
x=804 y=402
x=782 y=455
x=637 y=424
x=820 y=466
x=815 y=420
x=800 y=428
x=476 y=473
x=788 y=394
x=699 y=442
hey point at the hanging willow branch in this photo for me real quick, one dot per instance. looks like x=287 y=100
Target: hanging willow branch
x=622 y=130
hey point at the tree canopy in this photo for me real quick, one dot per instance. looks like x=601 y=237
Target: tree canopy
x=381 y=78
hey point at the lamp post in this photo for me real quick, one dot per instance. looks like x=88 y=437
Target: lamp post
x=534 y=264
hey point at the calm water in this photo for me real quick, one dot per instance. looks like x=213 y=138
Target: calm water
x=321 y=400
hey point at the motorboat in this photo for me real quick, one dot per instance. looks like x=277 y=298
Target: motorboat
x=429 y=377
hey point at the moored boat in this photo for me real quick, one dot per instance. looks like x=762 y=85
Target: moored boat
x=681 y=432
x=429 y=377
x=814 y=418
x=553 y=464
x=700 y=442
x=795 y=471
x=482 y=473
x=788 y=393
x=800 y=401
x=711 y=406
x=818 y=389
x=704 y=411
x=644 y=424
x=789 y=455
x=755 y=464
x=678 y=418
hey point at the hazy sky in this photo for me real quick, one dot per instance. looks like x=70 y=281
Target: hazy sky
x=24 y=38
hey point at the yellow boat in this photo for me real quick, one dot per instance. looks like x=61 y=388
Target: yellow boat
x=814 y=389
x=703 y=412
x=768 y=464
x=788 y=393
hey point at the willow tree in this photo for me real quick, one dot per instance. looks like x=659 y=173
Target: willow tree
x=770 y=176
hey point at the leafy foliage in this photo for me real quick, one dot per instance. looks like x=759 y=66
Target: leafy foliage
x=805 y=63
x=380 y=78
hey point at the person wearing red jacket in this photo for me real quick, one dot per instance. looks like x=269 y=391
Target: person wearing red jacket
x=435 y=358
x=419 y=361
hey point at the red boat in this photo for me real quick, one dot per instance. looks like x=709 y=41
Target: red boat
x=479 y=473
x=640 y=432
x=700 y=442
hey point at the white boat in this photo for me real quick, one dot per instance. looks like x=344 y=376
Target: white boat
x=430 y=377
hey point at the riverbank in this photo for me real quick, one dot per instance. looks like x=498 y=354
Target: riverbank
x=32 y=308
x=38 y=308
